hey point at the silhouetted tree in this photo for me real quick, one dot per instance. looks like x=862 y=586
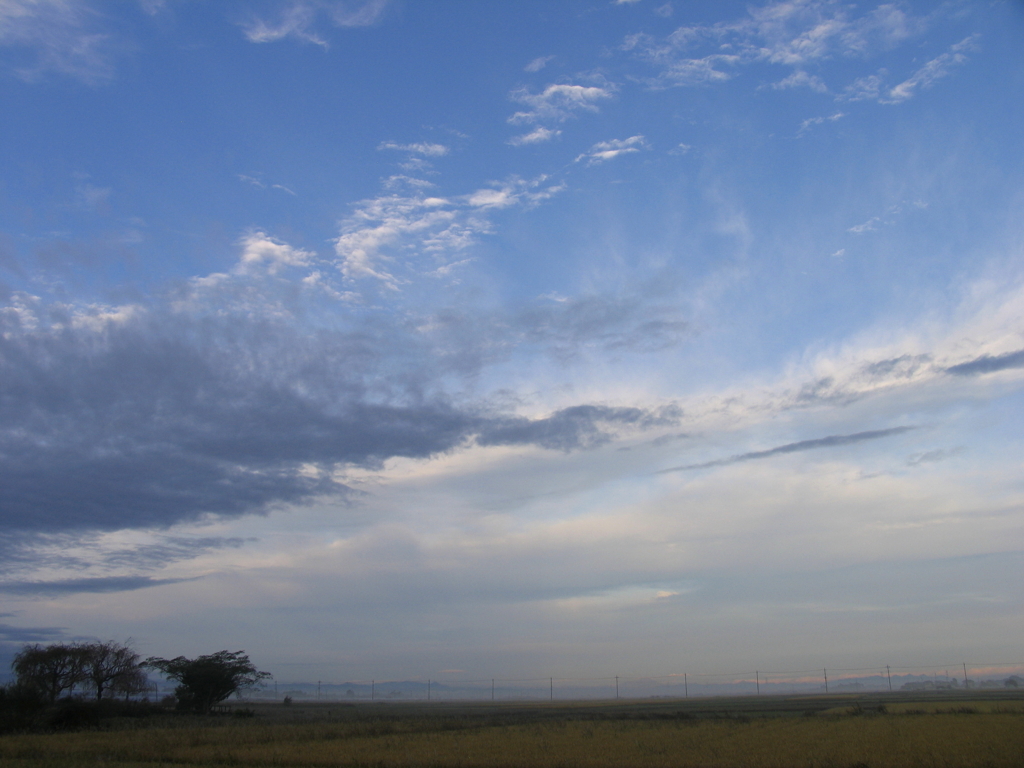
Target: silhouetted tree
x=51 y=669
x=113 y=668
x=208 y=680
x=106 y=668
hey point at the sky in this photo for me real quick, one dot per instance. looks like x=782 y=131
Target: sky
x=385 y=339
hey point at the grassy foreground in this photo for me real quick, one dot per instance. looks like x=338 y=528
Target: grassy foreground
x=845 y=734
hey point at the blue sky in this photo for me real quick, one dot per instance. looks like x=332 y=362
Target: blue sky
x=387 y=338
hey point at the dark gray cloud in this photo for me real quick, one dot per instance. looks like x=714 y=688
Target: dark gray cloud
x=989 y=364
x=579 y=426
x=632 y=322
x=24 y=551
x=161 y=417
x=903 y=366
x=170 y=549
x=11 y=634
x=832 y=441
x=94 y=584
x=929 y=457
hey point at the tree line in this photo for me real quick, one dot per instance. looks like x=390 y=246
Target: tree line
x=105 y=671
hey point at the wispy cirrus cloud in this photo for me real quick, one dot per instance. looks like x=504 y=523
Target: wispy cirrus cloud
x=874 y=88
x=786 y=33
x=800 y=79
x=937 y=68
x=832 y=441
x=66 y=37
x=807 y=124
x=299 y=19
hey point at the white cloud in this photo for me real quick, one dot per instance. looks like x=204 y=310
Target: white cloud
x=863 y=88
x=557 y=102
x=935 y=69
x=384 y=237
x=811 y=121
x=538 y=64
x=665 y=10
x=872 y=87
x=868 y=226
x=800 y=78
x=420 y=148
x=153 y=7
x=536 y=136
x=298 y=19
x=65 y=36
x=608 y=150
x=888 y=218
x=791 y=33
x=492 y=198
x=260 y=251
x=688 y=72
x=260 y=184
x=91 y=197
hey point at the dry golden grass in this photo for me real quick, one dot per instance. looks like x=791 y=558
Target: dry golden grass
x=877 y=740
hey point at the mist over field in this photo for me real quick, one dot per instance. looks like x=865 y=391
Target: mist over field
x=389 y=340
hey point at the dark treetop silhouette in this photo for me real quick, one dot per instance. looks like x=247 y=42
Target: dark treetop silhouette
x=207 y=680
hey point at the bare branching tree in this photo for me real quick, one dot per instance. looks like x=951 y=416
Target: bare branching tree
x=105 y=668
x=113 y=668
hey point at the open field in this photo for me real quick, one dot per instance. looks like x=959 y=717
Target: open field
x=840 y=731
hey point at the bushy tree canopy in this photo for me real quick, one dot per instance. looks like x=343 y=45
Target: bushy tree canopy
x=208 y=680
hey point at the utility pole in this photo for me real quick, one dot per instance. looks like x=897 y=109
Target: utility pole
x=492 y=689
x=965 y=674
x=551 y=682
x=318 y=690
x=428 y=689
x=686 y=688
x=757 y=681
x=889 y=675
x=616 y=686
x=825 y=673
x=372 y=682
